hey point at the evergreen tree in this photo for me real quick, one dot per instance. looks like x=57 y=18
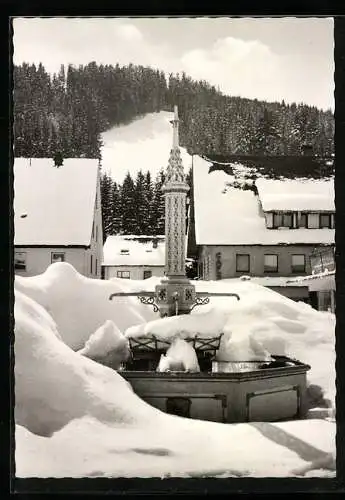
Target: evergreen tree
x=141 y=205
x=128 y=206
x=107 y=204
x=157 y=218
x=116 y=215
x=148 y=202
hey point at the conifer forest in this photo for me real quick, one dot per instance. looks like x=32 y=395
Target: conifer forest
x=66 y=113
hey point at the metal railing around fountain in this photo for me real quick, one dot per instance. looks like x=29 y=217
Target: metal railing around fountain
x=150 y=298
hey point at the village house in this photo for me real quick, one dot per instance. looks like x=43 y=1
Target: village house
x=321 y=282
x=268 y=235
x=133 y=257
x=57 y=215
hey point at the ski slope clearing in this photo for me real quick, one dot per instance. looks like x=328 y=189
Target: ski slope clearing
x=143 y=145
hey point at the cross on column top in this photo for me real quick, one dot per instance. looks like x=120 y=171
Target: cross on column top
x=175 y=123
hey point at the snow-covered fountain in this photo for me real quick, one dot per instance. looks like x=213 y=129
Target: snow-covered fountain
x=184 y=373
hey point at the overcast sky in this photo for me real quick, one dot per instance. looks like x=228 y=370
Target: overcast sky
x=270 y=59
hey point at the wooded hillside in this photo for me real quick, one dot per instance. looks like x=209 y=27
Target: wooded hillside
x=68 y=111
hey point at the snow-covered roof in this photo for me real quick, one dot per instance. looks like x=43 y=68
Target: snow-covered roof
x=296 y=194
x=274 y=281
x=127 y=250
x=228 y=216
x=54 y=206
x=306 y=279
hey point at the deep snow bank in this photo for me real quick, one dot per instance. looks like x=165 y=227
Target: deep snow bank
x=54 y=385
x=178 y=447
x=101 y=428
x=81 y=305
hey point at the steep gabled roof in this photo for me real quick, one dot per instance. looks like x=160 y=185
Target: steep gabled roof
x=228 y=216
x=54 y=206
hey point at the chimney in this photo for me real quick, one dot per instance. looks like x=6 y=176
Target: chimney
x=307 y=150
x=58 y=159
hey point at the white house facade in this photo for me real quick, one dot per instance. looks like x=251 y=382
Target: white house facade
x=133 y=257
x=57 y=215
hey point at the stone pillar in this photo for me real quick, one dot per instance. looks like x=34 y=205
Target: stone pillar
x=175 y=231
x=175 y=294
x=175 y=191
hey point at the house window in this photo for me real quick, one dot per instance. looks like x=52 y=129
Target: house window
x=20 y=261
x=320 y=261
x=325 y=220
x=123 y=274
x=93 y=229
x=242 y=263
x=124 y=251
x=298 y=263
x=269 y=220
x=303 y=220
x=96 y=266
x=277 y=220
x=271 y=263
x=288 y=220
x=96 y=233
x=91 y=262
x=313 y=221
x=283 y=220
x=57 y=257
x=147 y=274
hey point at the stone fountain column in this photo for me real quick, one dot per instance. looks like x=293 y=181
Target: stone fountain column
x=175 y=294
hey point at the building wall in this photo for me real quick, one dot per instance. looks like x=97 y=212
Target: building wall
x=293 y=292
x=136 y=272
x=38 y=259
x=219 y=262
x=94 y=269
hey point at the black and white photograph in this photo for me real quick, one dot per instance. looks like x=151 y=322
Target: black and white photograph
x=174 y=247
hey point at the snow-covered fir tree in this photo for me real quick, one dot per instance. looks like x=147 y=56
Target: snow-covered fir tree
x=116 y=216
x=107 y=204
x=128 y=206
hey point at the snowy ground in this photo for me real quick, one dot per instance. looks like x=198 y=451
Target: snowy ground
x=76 y=417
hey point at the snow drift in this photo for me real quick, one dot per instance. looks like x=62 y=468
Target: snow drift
x=81 y=305
x=54 y=385
x=107 y=346
x=180 y=356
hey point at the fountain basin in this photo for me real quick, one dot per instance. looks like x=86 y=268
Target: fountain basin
x=262 y=394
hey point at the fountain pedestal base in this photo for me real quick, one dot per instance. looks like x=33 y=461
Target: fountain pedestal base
x=175 y=296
